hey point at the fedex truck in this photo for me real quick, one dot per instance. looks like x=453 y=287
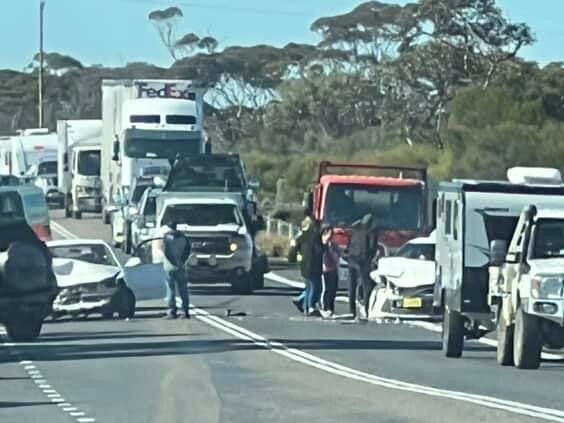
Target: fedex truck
x=146 y=123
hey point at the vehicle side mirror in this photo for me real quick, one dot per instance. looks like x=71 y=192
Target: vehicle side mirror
x=133 y=261
x=115 y=156
x=254 y=185
x=307 y=203
x=498 y=251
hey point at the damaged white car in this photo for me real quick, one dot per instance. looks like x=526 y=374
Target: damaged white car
x=90 y=279
x=405 y=282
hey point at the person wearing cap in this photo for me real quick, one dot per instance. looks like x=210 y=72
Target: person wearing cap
x=360 y=251
x=330 y=277
x=176 y=250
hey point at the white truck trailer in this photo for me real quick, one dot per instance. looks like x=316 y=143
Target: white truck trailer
x=78 y=165
x=146 y=123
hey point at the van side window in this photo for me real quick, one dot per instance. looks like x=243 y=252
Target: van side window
x=448 y=217
x=455 y=221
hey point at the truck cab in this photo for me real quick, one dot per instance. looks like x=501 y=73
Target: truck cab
x=397 y=198
x=527 y=285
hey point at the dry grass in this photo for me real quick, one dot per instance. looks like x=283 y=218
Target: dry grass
x=273 y=245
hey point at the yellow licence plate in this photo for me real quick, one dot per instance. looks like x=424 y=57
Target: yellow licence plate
x=412 y=302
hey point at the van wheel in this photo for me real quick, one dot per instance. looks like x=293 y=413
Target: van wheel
x=527 y=343
x=453 y=334
x=106 y=218
x=77 y=215
x=68 y=208
x=504 y=340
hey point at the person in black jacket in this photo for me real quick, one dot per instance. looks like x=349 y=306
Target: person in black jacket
x=176 y=251
x=360 y=251
x=311 y=269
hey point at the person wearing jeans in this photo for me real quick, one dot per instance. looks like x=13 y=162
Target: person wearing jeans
x=176 y=250
x=311 y=269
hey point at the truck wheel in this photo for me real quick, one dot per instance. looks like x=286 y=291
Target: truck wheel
x=453 y=334
x=504 y=340
x=77 y=215
x=527 y=343
x=259 y=280
x=24 y=328
x=125 y=303
x=127 y=239
x=242 y=286
x=68 y=208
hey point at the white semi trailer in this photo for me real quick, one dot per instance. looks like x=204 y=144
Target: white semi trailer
x=146 y=123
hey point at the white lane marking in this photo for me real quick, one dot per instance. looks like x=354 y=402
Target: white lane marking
x=433 y=327
x=61 y=230
x=51 y=393
x=347 y=372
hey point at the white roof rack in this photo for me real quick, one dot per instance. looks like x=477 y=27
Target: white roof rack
x=534 y=176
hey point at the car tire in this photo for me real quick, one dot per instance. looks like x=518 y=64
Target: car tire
x=126 y=247
x=504 y=340
x=125 y=303
x=77 y=215
x=105 y=218
x=453 y=334
x=242 y=286
x=24 y=328
x=258 y=280
x=527 y=343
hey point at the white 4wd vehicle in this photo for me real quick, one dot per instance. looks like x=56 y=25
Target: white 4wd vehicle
x=527 y=285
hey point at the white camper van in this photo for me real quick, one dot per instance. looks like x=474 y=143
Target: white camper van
x=471 y=214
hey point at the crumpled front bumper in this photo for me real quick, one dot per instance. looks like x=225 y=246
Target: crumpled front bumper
x=81 y=299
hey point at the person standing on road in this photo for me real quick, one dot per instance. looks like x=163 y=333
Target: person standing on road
x=311 y=269
x=361 y=250
x=176 y=250
x=330 y=278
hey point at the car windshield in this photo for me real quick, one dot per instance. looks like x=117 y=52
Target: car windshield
x=203 y=214
x=89 y=163
x=11 y=207
x=91 y=253
x=417 y=251
x=161 y=144
x=391 y=207
x=45 y=168
x=548 y=239
x=200 y=177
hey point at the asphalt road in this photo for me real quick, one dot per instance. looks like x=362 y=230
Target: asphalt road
x=262 y=363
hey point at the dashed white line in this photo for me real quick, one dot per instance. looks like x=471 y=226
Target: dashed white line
x=51 y=393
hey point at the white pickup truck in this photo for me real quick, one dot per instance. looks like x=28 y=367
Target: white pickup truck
x=222 y=244
x=527 y=285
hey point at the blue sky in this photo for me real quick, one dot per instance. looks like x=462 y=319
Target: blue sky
x=114 y=32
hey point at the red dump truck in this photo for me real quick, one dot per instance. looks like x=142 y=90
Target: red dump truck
x=397 y=197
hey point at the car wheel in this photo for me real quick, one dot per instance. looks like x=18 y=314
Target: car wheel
x=258 y=280
x=24 y=328
x=527 y=344
x=127 y=239
x=68 y=208
x=77 y=215
x=504 y=340
x=107 y=313
x=125 y=304
x=106 y=218
x=453 y=334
